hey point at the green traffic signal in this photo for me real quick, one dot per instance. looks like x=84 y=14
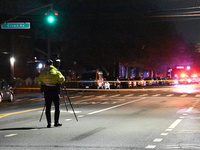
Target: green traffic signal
x=50 y=19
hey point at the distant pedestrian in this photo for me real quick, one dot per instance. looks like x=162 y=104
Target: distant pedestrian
x=118 y=83
x=29 y=81
x=50 y=80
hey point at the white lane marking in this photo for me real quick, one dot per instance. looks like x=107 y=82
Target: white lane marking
x=173 y=125
x=105 y=99
x=84 y=103
x=143 y=95
x=129 y=95
x=80 y=116
x=164 y=134
x=104 y=103
x=34 y=129
x=88 y=96
x=98 y=111
x=170 y=95
x=198 y=95
x=119 y=99
x=157 y=140
x=184 y=95
x=168 y=130
x=101 y=96
x=68 y=119
x=115 y=95
x=156 y=95
x=9 y=135
x=70 y=111
x=189 y=109
x=151 y=147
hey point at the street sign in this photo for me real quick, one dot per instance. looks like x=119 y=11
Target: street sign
x=16 y=25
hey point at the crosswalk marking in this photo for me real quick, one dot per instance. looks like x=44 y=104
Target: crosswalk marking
x=156 y=95
x=129 y=95
x=115 y=98
x=143 y=95
x=169 y=95
x=115 y=95
x=104 y=102
x=197 y=95
x=88 y=96
x=101 y=95
x=183 y=95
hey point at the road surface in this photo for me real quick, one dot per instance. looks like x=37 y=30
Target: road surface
x=160 y=118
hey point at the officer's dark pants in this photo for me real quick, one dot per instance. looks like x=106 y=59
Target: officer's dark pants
x=51 y=94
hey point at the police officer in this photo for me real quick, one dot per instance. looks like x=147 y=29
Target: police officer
x=49 y=80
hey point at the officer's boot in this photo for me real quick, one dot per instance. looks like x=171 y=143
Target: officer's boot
x=48 y=116
x=56 y=118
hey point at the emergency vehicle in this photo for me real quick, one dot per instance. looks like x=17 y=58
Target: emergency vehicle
x=183 y=75
x=92 y=79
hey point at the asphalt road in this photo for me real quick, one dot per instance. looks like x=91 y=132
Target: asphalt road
x=139 y=119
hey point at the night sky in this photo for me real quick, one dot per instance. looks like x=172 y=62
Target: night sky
x=125 y=12
x=139 y=32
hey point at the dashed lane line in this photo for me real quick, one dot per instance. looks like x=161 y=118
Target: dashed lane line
x=151 y=147
x=157 y=140
x=10 y=135
x=133 y=101
x=172 y=126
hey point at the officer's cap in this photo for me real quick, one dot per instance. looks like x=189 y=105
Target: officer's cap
x=49 y=62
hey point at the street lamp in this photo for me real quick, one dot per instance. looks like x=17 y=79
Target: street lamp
x=12 y=64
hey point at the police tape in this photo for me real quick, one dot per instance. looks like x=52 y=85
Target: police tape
x=143 y=88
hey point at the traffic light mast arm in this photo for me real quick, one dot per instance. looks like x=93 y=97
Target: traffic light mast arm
x=48 y=5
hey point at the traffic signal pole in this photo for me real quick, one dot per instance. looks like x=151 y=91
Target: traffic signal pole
x=48 y=38
x=48 y=45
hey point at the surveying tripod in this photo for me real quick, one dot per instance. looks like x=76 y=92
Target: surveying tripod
x=64 y=98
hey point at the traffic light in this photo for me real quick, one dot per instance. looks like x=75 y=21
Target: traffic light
x=51 y=17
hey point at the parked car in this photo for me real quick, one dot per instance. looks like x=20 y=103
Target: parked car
x=6 y=92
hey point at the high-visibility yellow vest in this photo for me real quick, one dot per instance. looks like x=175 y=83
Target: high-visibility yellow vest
x=50 y=76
